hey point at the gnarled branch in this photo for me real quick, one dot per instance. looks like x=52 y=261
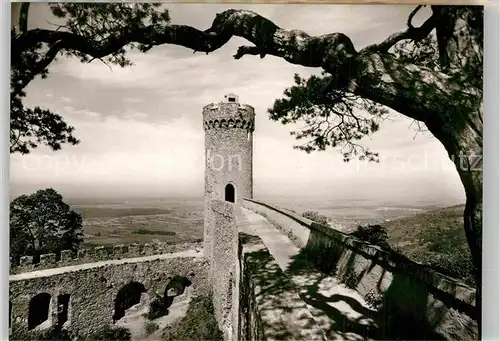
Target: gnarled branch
x=410 y=33
x=369 y=73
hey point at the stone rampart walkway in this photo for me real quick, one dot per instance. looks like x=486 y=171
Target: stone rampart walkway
x=341 y=312
x=86 y=266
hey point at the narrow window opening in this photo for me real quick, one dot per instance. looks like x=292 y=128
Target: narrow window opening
x=62 y=309
x=229 y=193
x=10 y=314
x=231 y=99
x=38 y=310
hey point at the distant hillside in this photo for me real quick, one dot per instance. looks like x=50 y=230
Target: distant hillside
x=435 y=238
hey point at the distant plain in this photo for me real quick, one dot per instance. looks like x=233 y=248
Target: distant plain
x=141 y=221
x=176 y=220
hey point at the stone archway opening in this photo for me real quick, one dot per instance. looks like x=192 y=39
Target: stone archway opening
x=128 y=296
x=229 y=193
x=39 y=309
x=175 y=287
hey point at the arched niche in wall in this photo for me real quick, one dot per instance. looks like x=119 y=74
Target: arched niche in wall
x=174 y=288
x=230 y=193
x=128 y=296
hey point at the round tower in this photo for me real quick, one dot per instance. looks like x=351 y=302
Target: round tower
x=228 y=127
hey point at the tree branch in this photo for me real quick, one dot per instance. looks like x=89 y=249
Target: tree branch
x=23 y=17
x=294 y=46
x=411 y=33
x=412 y=14
x=369 y=73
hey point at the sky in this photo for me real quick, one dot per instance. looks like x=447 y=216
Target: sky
x=141 y=127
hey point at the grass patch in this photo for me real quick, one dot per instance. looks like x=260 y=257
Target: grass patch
x=198 y=324
x=154 y=232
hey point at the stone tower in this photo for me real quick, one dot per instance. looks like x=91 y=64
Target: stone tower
x=228 y=127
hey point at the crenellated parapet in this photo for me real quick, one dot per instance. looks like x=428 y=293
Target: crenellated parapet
x=96 y=254
x=228 y=124
x=229 y=114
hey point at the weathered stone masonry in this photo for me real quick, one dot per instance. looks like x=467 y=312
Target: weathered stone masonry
x=93 y=287
x=229 y=128
x=409 y=291
x=96 y=254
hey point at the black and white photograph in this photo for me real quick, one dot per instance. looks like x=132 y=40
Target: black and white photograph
x=242 y=171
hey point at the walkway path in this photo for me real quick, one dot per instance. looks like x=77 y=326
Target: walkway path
x=86 y=266
x=340 y=311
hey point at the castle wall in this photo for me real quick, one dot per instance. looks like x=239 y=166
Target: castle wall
x=225 y=268
x=406 y=293
x=93 y=287
x=96 y=254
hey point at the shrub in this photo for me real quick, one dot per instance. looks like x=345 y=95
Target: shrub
x=57 y=334
x=154 y=232
x=316 y=217
x=373 y=234
x=447 y=252
x=157 y=308
x=198 y=324
x=150 y=328
x=111 y=334
x=350 y=279
x=457 y=264
x=374 y=299
x=50 y=334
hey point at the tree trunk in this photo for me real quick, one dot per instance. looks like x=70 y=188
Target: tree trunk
x=464 y=144
x=473 y=214
x=459 y=31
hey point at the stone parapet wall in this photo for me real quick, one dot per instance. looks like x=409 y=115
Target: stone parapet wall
x=405 y=289
x=270 y=307
x=96 y=254
x=297 y=228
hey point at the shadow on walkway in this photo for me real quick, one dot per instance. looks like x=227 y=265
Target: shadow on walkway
x=350 y=317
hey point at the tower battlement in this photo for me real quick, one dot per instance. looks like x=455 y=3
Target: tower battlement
x=228 y=114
